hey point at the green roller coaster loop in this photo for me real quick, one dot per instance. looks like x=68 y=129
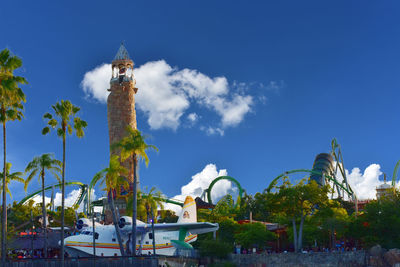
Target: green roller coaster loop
x=166 y=200
x=348 y=190
x=78 y=201
x=229 y=178
x=396 y=169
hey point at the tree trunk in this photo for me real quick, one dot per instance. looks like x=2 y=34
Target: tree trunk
x=134 y=205
x=62 y=201
x=117 y=230
x=294 y=234
x=4 y=218
x=300 y=242
x=44 y=216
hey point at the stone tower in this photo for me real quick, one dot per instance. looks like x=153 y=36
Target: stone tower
x=121 y=101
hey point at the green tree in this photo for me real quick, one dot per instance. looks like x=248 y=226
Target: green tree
x=19 y=214
x=133 y=147
x=64 y=111
x=11 y=99
x=297 y=202
x=148 y=200
x=38 y=166
x=253 y=234
x=227 y=230
x=378 y=224
x=168 y=216
x=15 y=176
x=215 y=249
x=333 y=219
x=113 y=178
x=223 y=210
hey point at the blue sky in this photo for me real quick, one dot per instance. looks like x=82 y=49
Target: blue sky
x=313 y=70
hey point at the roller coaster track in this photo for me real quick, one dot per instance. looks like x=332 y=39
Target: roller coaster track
x=85 y=189
x=396 y=169
x=207 y=192
x=348 y=190
x=78 y=201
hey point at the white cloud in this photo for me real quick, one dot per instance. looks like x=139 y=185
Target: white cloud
x=193 y=117
x=201 y=181
x=165 y=94
x=96 y=82
x=69 y=200
x=211 y=131
x=275 y=86
x=364 y=183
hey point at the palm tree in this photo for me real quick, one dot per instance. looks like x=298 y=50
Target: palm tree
x=113 y=178
x=64 y=111
x=11 y=98
x=151 y=201
x=133 y=146
x=39 y=165
x=15 y=176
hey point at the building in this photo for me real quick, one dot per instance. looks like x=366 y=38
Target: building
x=383 y=190
x=121 y=111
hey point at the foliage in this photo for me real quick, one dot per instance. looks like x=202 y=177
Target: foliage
x=65 y=111
x=112 y=176
x=11 y=107
x=227 y=230
x=39 y=165
x=168 y=216
x=224 y=209
x=297 y=202
x=146 y=201
x=379 y=223
x=151 y=201
x=254 y=234
x=19 y=215
x=11 y=96
x=69 y=216
x=215 y=249
x=15 y=176
x=133 y=144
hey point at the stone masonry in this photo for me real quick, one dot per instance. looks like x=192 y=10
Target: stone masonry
x=121 y=102
x=121 y=112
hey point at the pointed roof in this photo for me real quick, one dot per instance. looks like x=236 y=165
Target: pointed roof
x=122 y=53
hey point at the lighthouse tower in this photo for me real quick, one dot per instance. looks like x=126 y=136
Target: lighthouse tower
x=121 y=101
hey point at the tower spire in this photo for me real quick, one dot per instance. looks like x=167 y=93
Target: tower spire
x=122 y=53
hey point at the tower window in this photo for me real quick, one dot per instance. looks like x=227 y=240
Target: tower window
x=151 y=235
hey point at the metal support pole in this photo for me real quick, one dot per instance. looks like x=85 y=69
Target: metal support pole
x=94 y=238
x=152 y=229
x=33 y=226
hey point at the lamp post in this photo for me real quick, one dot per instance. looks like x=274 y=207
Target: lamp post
x=152 y=229
x=94 y=238
x=32 y=228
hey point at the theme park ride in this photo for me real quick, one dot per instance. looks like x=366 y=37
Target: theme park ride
x=328 y=168
x=84 y=196
x=396 y=169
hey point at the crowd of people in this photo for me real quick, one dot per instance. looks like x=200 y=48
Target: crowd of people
x=35 y=254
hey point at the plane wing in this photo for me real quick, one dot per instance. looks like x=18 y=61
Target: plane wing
x=193 y=228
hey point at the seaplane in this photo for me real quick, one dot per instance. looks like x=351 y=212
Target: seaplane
x=168 y=237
